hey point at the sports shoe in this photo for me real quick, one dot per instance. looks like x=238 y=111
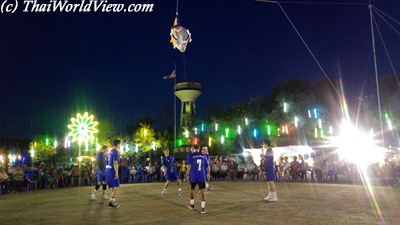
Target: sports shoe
x=203 y=210
x=164 y=193
x=272 y=199
x=93 y=197
x=208 y=188
x=105 y=196
x=113 y=205
x=266 y=198
x=180 y=193
x=190 y=206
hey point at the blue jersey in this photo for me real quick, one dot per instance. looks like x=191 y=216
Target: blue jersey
x=198 y=163
x=101 y=159
x=208 y=160
x=112 y=156
x=169 y=163
x=269 y=160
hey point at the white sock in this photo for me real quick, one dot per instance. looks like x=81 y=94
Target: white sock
x=274 y=194
x=104 y=192
x=94 y=192
x=164 y=190
x=192 y=201
x=203 y=204
x=179 y=189
x=112 y=199
x=207 y=185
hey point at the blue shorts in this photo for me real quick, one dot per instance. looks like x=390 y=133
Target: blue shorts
x=100 y=177
x=270 y=175
x=172 y=176
x=111 y=181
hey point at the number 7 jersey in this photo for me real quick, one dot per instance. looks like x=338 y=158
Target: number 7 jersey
x=198 y=163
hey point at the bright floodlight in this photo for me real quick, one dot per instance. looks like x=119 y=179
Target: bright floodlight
x=83 y=128
x=356 y=146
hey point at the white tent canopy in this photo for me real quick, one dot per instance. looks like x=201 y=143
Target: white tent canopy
x=289 y=151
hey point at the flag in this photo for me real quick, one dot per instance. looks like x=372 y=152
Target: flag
x=171 y=76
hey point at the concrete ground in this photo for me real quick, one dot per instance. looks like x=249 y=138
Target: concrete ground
x=227 y=203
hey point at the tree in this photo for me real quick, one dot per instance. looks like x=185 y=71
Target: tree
x=145 y=137
x=42 y=151
x=107 y=132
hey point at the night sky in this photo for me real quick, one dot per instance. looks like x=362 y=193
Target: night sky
x=54 y=65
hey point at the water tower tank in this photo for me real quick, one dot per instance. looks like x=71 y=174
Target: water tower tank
x=187 y=92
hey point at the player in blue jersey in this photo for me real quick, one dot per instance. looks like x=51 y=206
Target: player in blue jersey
x=170 y=173
x=269 y=168
x=204 y=151
x=101 y=159
x=199 y=172
x=112 y=172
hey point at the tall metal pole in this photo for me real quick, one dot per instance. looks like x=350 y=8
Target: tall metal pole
x=175 y=112
x=376 y=72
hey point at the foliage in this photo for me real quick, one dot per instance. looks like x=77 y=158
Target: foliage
x=42 y=152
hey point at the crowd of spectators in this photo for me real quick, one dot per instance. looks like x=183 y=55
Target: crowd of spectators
x=20 y=177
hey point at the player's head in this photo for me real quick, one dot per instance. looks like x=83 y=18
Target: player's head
x=104 y=148
x=166 y=152
x=267 y=142
x=204 y=150
x=196 y=148
x=116 y=143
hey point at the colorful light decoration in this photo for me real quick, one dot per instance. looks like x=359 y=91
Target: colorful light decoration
x=202 y=127
x=319 y=123
x=246 y=121
x=216 y=127
x=285 y=107
x=389 y=122
x=239 y=130
x=268 y=129
x=296 y=121
x=330 y=132
x=209 y=141
x=255 y=133
x=187 y=133
x=66 y=142
x=227 y=132
x=195 y=130
x=222 y=139
x=309 y=113
x=83 y=128
x=136 y=148
x=315 y=113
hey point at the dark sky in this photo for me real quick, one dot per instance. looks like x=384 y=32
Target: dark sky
x=53 y=65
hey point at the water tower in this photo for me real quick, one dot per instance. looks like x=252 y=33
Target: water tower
x=187 y=92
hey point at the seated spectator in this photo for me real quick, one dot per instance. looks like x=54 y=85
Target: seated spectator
x=75 y=175
x=232 y=167
x=286 y=168
x=240 y=171
x=294 y=168
x=182 y=172
x=46 y=177
x=332 y=171
x=19 y=183
x=303 y=168
x=151 y=171
x=224 y=170
x=85 y=174
x=157 y=169
x=251 y=170
x=4 y=181
x=278 y=169
x=216 y=170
